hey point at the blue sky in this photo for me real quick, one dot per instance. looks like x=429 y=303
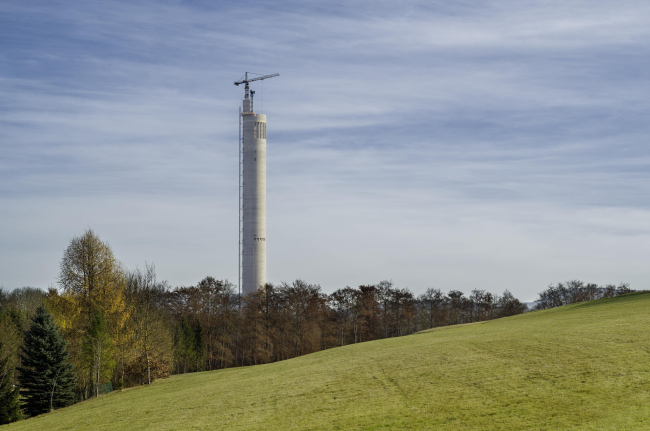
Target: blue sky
x=458 y=145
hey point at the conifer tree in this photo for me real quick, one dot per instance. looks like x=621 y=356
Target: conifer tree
x=46 y=377
x=9 y=405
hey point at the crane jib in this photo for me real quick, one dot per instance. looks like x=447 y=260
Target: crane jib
x=259 y=78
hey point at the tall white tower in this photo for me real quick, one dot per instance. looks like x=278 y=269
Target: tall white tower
x=253 y=193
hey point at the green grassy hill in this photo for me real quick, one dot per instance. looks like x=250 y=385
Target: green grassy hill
x=584 y=366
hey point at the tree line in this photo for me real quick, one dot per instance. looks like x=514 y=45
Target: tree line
x=575 y=291
x=122 y=328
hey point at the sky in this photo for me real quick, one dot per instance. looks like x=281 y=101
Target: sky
x=455 y=145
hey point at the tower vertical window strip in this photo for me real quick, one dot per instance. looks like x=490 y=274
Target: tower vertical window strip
x=240 y=203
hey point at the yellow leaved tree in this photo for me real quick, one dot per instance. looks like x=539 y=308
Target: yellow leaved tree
x=92 y=282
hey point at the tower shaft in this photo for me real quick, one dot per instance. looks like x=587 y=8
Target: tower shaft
x=254 y=199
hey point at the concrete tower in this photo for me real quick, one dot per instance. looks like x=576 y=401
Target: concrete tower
x=253 y=196
x=254 y=199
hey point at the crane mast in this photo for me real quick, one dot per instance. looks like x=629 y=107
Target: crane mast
x=246 y=81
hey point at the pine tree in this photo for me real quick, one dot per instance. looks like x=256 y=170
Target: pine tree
x=46 y=377
x=9 y=405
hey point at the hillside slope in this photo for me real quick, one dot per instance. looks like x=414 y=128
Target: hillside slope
x=584 y=366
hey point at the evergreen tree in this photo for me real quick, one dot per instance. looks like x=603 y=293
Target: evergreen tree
x=9 y=405
x=46 y=377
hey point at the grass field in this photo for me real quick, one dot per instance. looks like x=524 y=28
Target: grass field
x=582 y=367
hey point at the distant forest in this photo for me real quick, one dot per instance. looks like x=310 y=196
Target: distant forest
x=124 y=328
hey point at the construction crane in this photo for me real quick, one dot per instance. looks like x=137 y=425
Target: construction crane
x=246 y=81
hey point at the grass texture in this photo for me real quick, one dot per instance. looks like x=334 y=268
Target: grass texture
x=580 y=367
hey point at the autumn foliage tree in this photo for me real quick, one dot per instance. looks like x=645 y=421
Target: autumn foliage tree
x=151 y=339
x=91 y=281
